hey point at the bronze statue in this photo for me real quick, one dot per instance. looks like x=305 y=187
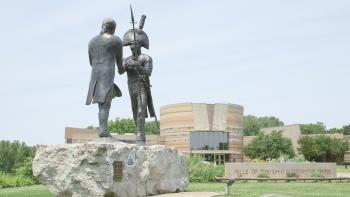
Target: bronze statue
x=105 y=50
x=139 y=68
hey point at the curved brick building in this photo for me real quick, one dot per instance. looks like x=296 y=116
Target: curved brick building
x=214 y=131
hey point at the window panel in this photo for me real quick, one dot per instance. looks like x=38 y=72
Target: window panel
x=209 y=140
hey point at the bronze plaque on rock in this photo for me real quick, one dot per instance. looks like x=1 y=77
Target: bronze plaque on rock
x=117 y=171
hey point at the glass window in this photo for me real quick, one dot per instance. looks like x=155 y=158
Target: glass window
x=209 y=140
x=69 y=141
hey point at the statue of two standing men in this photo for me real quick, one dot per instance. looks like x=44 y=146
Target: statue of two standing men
x=105 y=50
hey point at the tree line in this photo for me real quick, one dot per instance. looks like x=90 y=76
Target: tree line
x=319 y=148
x=127 y=125
x=253 y=125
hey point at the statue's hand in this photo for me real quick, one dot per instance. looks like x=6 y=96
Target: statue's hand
x=132 y=64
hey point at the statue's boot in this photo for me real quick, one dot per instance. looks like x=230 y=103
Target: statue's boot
x=140 y=137
x=104 y=134
x=103 y=118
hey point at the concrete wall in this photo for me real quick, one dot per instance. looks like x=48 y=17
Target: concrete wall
x=176 y=121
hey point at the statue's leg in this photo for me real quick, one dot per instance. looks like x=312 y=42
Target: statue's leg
x=133 y=99
x=103 y=118
x=139 y=126
x=142 y=113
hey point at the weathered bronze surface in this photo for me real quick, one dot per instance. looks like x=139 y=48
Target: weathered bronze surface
x=105 y=50
x=117 y=171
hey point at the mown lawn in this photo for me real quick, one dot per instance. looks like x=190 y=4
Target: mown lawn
x=341 y=168
x=294 y=189
x=30 y=191
x=248 y=189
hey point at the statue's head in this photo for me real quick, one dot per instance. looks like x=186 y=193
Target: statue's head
x=108 y=26
x=135 y=47
x=141 y=38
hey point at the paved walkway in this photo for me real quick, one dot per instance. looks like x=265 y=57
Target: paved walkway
x=190 y=194
x=343 y=174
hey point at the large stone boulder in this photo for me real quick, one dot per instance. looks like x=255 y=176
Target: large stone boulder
x=106 y=168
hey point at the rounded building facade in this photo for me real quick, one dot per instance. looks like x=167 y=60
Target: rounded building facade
x=214 y=131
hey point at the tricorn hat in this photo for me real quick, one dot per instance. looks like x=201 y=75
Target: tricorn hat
x=141 y=38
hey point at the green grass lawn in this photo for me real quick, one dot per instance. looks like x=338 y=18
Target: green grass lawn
x=30 y=191
x=248 y=189
x=341 y=168
x=294 y=189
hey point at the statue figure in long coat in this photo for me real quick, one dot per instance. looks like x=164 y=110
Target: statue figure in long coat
x=105 y=50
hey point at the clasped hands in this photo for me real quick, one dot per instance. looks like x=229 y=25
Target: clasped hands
x=131 y=64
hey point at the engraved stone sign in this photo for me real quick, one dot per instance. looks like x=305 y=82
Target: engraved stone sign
x=280 y=170
x=117 y=171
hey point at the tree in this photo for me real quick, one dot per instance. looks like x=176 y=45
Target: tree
x=269 y=121
x=13 y=154
x=127 y=125
x=121 y=126
x=253 y=124
x=336 y=130
x=267 y=146
x=151 y=127
x=346 y=129
x=92 y=127
x=322 y=148
x=318 y=128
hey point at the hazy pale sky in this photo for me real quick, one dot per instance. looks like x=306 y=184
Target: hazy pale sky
x=289 y=59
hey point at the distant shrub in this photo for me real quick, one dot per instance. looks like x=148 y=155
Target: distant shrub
x=269 y=146
x=322 y=148
x=25 y=170
x=318 y=128
x=300 y=158
x=201 y=171
x=9 y=180
x=253 y=124
x=316 y=174
x=263 y=175
x=127 y=125
x=16 y=164
x=13 y=154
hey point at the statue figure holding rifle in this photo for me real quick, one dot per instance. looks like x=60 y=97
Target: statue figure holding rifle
x=139 y=68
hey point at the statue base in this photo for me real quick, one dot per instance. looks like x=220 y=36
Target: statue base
x=107 y=167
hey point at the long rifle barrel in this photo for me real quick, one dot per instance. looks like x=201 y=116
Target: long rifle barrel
x=133 y=24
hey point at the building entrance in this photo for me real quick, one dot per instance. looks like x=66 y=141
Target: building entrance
x=216 y=158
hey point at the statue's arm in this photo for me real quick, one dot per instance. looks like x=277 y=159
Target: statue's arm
x=89 y=55
x=147 y=69
x=148 y=66
x=125 y=64
x=119 y=59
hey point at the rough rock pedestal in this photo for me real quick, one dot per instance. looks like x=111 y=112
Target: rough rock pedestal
x=107 y=168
